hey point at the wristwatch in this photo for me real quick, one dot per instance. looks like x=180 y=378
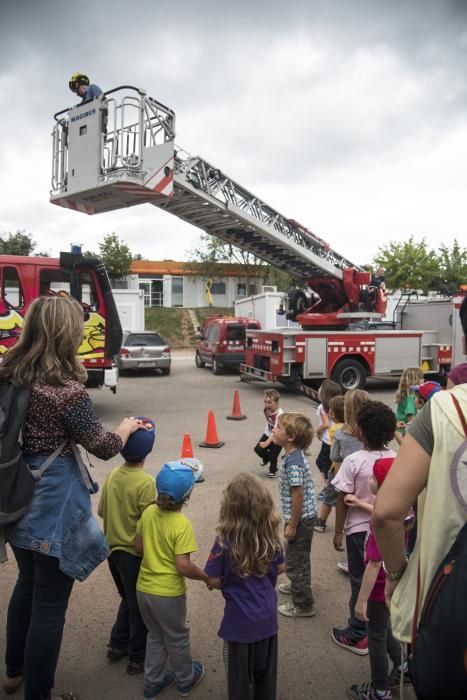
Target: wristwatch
x=395 y=575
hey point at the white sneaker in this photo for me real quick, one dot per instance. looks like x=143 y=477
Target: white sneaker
x=343 y=566
x=291 y=610
x=285 y=588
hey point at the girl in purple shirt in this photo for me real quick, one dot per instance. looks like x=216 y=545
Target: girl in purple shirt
x=244 y=563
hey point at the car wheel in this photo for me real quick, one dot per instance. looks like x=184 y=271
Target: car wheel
x=350 y=374
x=165 y=370
x=199 y=362
x=216 y=367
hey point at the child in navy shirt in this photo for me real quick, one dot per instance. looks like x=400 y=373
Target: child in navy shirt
x=244 y=564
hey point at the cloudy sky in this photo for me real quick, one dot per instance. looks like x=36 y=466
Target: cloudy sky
x=349 y=116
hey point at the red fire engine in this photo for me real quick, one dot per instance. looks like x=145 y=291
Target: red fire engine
x=85 y=278
x=118 y=151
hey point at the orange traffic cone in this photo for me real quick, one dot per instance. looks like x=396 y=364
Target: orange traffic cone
x=211 y=433
x=236 y=412
x=187 y=448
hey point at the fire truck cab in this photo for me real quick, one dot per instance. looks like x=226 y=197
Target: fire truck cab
x=22 y=279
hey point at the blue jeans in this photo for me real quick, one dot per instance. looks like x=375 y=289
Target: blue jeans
x=35 y=621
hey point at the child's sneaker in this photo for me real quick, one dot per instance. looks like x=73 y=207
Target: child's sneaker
x=319 y=526
x=152 y=691
x=291 y=610
x=285 y=588
x=115 y=654
x=272 y=475
x=198 y=673
x=359 y=647
x=366 y=691
x=343 y=566
x=394 y=680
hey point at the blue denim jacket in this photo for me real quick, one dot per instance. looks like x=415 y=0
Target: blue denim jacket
x=59 y=521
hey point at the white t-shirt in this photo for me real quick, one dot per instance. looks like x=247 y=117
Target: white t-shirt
x=325 y=434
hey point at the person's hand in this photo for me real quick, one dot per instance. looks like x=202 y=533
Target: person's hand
x=361 y=610
x=263 y=445
x=337 y=541
x=389 y=590
x=290 y=532
x=400 y=424
x=212 y=583
x=351 y=500
x=132 y=424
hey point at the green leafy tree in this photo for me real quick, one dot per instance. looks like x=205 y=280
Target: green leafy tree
x=211 y=251
x=19 y=243
x=116 y=256
x=409 y=265
x=453 y=267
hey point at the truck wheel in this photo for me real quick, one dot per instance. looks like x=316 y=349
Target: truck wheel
x=199 y=362
x=350 y=374
x=216 y=367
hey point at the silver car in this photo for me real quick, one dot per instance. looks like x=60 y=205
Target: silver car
x=144 y=350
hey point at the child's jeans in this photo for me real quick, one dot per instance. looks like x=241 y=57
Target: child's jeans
x=129 y=630
x=381 y=643
x=268 y=454
x=168 y=636
x=355 y=544
x=297 y=564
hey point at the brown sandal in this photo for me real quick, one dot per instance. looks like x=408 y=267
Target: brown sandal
x=11 y=684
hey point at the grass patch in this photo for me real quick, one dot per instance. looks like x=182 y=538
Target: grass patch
x=175 y=326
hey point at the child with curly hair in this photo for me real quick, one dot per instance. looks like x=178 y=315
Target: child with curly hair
x=244 y=564
x=376 y=425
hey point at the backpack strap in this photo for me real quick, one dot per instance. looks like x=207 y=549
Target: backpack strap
x=417 y=601
x=88 y=481
x=460 y=412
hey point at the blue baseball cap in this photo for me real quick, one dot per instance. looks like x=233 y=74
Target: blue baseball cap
x=141 y=442
x=176 y=479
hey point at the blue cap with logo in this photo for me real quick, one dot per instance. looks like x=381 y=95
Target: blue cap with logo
x=141 y=442
x=176 y=479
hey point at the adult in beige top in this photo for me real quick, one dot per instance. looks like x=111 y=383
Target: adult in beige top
x=425 y=468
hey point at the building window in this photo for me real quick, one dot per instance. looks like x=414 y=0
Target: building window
x=241 y=289
x=218 y=288
x=177 y=291
x=153 y=292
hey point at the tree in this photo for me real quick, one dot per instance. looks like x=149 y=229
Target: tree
x=19 y=243
x=116 y=256
x=211 y=251
x=453 y=267
x=409 y=265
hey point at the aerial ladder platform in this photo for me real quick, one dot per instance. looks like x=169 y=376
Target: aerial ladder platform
x=119 y=150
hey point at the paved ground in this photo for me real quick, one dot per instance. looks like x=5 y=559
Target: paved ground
x=311 y=666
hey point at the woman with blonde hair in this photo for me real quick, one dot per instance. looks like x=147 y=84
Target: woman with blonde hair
x=57 y=540
x=244 y=563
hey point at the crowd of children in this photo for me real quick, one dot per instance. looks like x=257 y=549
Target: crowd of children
x=151 y=542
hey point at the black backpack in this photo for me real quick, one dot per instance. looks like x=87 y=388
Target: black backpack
x=17 y=481
x=439 y=662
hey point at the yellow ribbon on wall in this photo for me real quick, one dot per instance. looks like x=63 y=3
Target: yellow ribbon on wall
x=209 y=298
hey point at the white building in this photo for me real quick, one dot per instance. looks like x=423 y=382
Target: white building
x=171 y=283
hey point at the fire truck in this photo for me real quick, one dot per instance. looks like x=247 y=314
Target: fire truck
x=85 y=278
x=119 y=151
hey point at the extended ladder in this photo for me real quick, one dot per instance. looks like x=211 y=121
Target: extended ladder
x=118 y=151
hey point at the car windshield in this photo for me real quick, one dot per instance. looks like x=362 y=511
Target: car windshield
x=235 y=332
x=144 y=339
